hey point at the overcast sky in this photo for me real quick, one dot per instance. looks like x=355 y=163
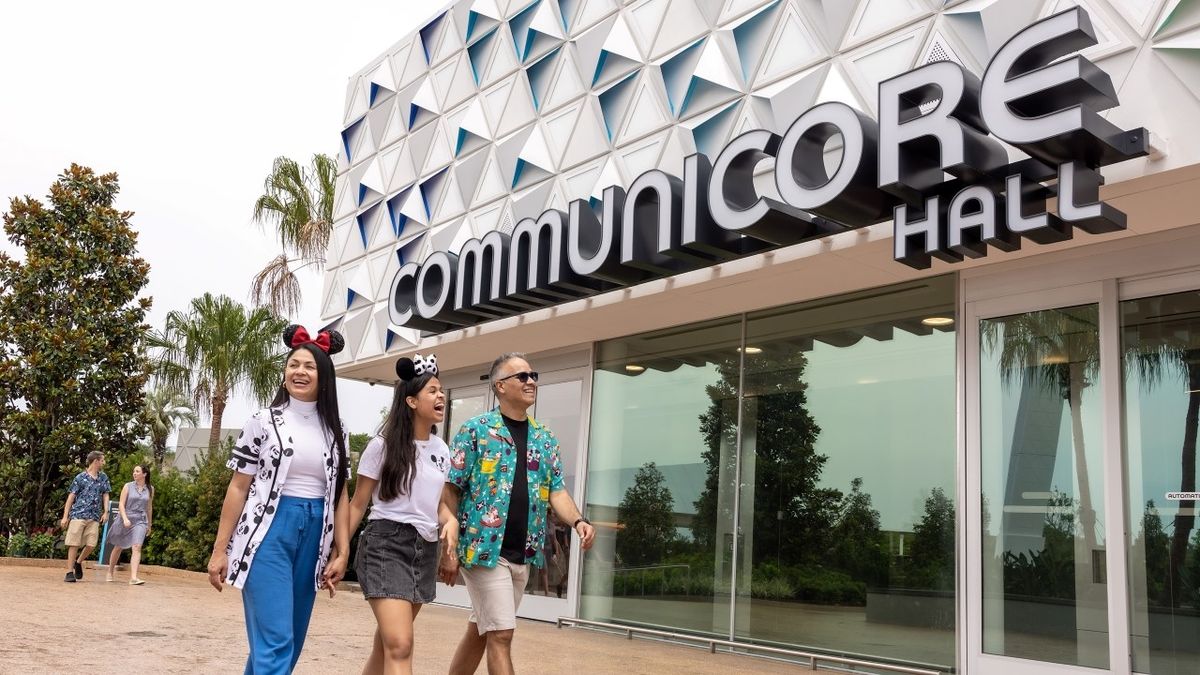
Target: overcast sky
x=189 y=104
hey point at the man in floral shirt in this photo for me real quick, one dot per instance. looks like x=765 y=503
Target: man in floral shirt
x=85 y=510
x=504 y=475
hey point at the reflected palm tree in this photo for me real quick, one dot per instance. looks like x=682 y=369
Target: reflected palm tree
x=1054 y=350
x=1060 y=350
x=1162 y=343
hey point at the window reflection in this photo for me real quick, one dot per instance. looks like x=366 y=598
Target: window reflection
x=1044 y=581
x=847 y=462
x=660 y=551
x=1161 y=348
x=837 y=419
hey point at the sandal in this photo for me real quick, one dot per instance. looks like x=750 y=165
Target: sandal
x=136 y=582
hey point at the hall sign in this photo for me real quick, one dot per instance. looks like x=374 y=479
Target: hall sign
x=933 y=163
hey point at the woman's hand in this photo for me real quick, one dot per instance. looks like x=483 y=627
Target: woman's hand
x=127 y=522
x=335 y=569
x=218 y=568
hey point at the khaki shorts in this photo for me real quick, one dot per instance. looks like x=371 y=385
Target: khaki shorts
x=495 y=594
x=82 y=532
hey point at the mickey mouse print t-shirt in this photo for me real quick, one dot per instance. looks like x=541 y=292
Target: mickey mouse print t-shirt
x=419 y=506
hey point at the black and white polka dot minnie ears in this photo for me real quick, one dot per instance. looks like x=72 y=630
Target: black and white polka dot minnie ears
x=408 y=368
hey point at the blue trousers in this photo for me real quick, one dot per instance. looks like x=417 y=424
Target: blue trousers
x=279 y=592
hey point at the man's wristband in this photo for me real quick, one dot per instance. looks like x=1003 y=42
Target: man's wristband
x=580 y=520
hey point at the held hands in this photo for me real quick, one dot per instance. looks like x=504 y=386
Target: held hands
x=218 y=568
x=587 y=535
x=448 y=560
x=334 y=571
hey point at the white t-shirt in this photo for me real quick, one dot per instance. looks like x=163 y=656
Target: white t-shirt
x=419 y=507
x=306 y=437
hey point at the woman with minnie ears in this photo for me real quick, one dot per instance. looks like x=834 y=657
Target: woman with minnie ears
x=401 y=471
x=276 y=532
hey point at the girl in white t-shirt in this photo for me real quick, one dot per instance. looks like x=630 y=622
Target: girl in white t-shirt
x=401 y=473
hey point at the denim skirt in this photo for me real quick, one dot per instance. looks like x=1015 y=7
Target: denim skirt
x=394 y=561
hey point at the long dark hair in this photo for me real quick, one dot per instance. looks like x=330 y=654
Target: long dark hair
x=399 y=444
x=146 y=475
x=327 y=405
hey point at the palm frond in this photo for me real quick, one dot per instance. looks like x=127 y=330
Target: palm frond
x=277 y=287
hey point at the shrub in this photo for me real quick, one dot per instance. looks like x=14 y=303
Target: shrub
x=772 y=589
x=18 y=544
x=41 y=545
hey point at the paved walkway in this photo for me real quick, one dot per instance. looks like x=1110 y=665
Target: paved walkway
x=177 y=623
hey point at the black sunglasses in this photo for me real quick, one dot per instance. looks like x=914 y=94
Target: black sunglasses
x=524 y=376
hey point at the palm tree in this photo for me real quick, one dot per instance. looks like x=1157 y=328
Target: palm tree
x=166 y=409
x=1057 y=350
x=1162 y=343
x=298 y=202
x=1060 y=349
x=218 y=349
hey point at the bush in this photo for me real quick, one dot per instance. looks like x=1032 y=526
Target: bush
x=18 y=544
x=772 y=589
x=41 y=545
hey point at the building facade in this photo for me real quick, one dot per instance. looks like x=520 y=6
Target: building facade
x=869 y=327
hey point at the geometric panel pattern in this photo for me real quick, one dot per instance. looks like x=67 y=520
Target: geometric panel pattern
x=496 y=109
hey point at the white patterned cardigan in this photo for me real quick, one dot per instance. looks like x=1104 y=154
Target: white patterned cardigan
x=264 y=450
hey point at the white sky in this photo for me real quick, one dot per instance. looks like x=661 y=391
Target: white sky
x=189 y=104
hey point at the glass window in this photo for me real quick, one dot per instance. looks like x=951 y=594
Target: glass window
x=1044 y=581
x=837 y=421
x=847 y=518
x=660 y=419
x=558 y=407
x=1161 y=348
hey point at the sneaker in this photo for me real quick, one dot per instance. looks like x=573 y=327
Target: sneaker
x=70 y=578
x=78 y=570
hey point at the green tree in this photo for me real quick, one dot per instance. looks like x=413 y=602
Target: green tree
x=165 y=410
x=72 y=361
x=1154 y=541
x=859 y=548
x=933 y=544
x=787 y=474
x=358 y=443
x=219 y=348
x=645 y=514
x=298 y=202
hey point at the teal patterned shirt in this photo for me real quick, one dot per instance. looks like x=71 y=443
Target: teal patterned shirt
x=483 y=460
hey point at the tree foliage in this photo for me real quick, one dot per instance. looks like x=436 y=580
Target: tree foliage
x=787 y=492
x=933 y=544
x=165 y=410
x=297 y=202
x=646 y=518
x=859 y=547
x=72 y=361
x=218 y=348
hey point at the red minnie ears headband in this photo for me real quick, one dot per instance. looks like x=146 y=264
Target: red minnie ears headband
x=328 y=341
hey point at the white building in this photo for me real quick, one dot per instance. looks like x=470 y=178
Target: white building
x=1043 y=400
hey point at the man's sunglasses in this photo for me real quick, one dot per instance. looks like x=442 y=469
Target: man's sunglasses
x=524 y=376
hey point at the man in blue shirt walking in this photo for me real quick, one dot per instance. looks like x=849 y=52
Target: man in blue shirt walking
x=86 y=508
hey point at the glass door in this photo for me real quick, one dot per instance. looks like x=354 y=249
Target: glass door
x=560 y=406
x=1160 y=347
x=465 y=403
x=1040 y=497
